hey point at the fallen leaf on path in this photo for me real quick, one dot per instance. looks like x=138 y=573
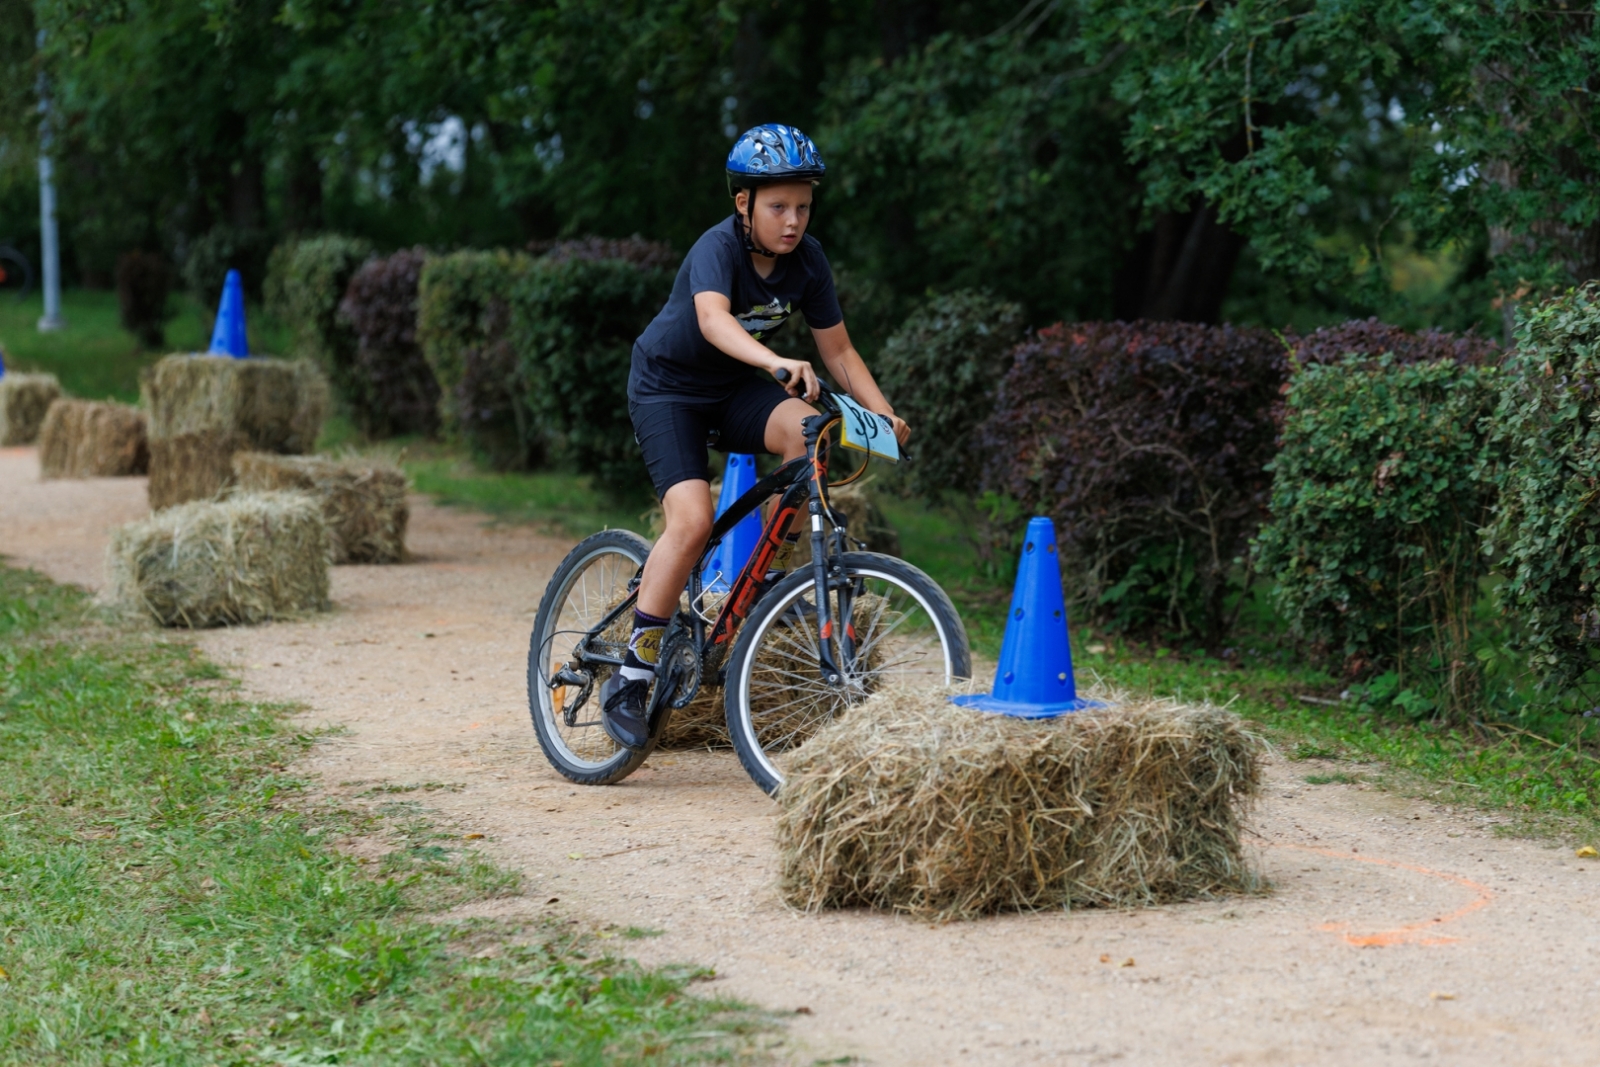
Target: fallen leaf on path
x=553 y=900
x=471 y=837
x=1587 y=852
x=1441 y=996
x=802 y=1011
x=1128 y=962
x=574 y=855
x=1105 y=957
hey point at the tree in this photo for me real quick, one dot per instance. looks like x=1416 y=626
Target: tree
x=1485 y=111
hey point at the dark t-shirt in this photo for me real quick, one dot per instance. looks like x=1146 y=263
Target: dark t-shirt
x=672 y=360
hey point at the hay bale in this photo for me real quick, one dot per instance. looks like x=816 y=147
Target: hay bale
x=364 y=502
x=251 y=558
x=275 y=405
x=88 y=439
x=24 y=401
x=203 y=409
x=912 y=804
x=191 y=466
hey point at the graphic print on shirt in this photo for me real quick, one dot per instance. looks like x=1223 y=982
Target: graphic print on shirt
x=765 y=318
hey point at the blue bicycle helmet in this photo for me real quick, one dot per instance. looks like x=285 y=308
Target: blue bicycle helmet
x=772 y=153
x=765 y=155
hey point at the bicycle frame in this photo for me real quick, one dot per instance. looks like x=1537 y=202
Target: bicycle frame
x=803 y=482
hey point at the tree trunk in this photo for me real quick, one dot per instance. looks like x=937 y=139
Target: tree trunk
x=1179 y=269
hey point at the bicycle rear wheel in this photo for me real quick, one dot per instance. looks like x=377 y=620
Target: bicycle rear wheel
x=906 y=633
x=588 y=584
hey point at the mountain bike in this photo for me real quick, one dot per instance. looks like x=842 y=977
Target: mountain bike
x=791 y=655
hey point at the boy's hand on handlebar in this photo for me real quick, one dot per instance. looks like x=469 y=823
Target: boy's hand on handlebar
x=902 y=432
x=798 y=378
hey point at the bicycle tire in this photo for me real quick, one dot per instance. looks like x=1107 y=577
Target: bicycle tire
x=597 y=760
x=773 y=655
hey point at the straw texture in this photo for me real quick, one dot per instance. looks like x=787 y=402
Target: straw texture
x=276 y=405
x=88 y=439
x=364 y=502
x=205 y=408
x=912 y=804
x=191 y=466
x=251 y=558
x=703 y=722
x=24 y=401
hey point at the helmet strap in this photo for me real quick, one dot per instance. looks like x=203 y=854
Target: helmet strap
x=750 y=226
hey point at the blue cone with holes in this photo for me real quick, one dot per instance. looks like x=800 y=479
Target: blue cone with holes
x=729 y=557
x=1034 y=678
x=228 y=339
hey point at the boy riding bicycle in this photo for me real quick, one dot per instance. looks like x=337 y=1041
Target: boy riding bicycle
x=697 y=368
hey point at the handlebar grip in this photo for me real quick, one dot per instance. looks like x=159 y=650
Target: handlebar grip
x=782 y=374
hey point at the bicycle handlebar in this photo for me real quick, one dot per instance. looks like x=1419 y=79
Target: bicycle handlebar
x=782 y=375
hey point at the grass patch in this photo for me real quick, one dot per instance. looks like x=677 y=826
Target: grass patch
x=555 y=501
x=1523 y=771
x=94 y=356
x=170 y=893
x=1331 y=779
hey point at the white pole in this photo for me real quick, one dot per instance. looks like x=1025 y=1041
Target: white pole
x=48 y=238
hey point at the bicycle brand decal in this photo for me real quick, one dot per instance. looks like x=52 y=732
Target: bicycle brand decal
x=866 y=431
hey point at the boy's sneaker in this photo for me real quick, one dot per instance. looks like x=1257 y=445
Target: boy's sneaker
x=623 y=712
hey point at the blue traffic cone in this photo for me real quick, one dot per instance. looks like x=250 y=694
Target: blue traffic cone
x=228 y=338
x=729 y=557
x=1034 y=677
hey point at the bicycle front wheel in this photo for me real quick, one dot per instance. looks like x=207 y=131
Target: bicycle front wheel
x=906 y=633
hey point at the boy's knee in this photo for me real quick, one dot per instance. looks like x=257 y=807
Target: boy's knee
x=696 y=526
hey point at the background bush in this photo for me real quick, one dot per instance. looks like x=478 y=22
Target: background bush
x=1547 y=529
x=144 y=281
x=654 y=255
x=941 y=370
x=1146 y=442
x=1383 y=481
x=574 y=325
x=464 y=324
x=380 y=305
x=306 y=281
x=220 y=249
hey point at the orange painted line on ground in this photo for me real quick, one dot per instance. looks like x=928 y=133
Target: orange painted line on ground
x=1411 y=933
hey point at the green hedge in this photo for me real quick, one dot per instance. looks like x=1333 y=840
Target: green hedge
x=464 y=325
x=574 y=322
x=532 y=356
x=941 y=370
x=306 y=280
x=1547 y=529
x=1383 y=481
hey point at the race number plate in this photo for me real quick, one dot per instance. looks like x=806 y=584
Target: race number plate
x=867 y=431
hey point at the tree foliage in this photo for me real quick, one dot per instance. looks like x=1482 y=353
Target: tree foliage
x=1274 y=111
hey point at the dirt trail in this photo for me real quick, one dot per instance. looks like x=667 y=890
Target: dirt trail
x=1346 y=962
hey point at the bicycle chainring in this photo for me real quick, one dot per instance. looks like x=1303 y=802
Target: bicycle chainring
x=684 y=666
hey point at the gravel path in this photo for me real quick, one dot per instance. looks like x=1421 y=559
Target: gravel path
x=1398 y=931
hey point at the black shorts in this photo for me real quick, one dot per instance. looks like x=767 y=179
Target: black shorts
x=672 y=433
